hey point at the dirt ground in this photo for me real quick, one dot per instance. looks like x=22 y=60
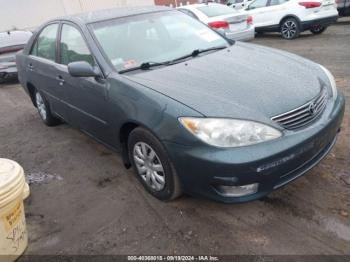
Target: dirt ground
x=83 y=201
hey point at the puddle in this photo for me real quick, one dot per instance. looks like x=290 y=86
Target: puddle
x=38 y=178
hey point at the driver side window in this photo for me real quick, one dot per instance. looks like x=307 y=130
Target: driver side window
x=74 y=47
x=258 y=4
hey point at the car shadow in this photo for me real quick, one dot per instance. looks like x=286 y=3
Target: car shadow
x=346 y=22
x=278 y=36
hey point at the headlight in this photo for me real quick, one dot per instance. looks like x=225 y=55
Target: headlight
x=229 y=132
x=332 y=82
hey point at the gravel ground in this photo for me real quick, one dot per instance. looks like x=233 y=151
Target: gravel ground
x=83 y=201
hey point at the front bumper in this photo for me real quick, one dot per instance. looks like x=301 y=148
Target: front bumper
x=245 y=35
x=271 y=164
x=327 y=21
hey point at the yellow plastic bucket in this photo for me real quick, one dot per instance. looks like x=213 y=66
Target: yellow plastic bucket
x=13 y=229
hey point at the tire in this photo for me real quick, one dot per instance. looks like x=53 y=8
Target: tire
x=157 y=175
x=318 y=29
x=44 y=109
x=290 y=28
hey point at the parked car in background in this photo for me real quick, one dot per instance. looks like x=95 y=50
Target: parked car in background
x=191 y=111
x=291 y=17
x=238 y=4
x=343 y=7
x=10 y=43
x=233 y=24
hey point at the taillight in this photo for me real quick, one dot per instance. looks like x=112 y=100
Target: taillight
x=250 y=20
x=308 y=5
x=219 y=25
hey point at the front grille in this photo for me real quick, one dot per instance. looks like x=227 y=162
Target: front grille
x=305 y=114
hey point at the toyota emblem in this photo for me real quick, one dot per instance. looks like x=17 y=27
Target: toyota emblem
x=312 y=108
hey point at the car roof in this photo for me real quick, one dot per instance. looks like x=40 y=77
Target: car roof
x=101 y=15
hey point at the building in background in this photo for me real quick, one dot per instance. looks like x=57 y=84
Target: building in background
x=28 y=14
x=176 y=3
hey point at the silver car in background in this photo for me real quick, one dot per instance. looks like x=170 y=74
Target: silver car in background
x=10 y=43
x=226 y=20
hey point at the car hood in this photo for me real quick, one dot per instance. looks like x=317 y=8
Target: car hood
x=244 y=81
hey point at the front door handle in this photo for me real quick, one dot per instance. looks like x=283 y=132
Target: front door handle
x=60 y=80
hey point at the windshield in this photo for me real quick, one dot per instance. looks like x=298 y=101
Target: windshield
x=212 y=10
x=128 y=42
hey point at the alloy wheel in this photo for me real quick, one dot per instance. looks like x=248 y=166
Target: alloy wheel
x=41 y=106
x=149 y=166
x=317 y=29
x=289 y=29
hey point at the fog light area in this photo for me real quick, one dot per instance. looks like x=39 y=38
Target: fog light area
x=237 y=191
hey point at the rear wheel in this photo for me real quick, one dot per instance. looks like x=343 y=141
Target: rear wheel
x=318 y=29
x=44 y=110
x=290 y=28
x=152 y=165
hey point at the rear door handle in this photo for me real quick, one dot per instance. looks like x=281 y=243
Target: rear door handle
x=60 y=80
x=30 y=67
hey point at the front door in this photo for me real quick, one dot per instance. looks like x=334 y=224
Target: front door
x=85 y=97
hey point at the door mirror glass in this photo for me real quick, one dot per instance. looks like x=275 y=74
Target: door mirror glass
x=83 y=69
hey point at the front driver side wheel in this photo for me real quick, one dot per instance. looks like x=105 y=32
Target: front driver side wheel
x=152 y=165
x=290 y=28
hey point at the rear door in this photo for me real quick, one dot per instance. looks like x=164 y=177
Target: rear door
x=86 y=97
x=278 y=9
x=41 y=68
x=260 y=11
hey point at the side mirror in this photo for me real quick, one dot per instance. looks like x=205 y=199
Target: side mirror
x=83 y=69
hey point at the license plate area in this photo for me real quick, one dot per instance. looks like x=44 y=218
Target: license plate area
x=238 y=27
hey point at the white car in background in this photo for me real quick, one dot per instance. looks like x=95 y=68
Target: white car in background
x=228 y=21
x=291 y=17
x=238 y=4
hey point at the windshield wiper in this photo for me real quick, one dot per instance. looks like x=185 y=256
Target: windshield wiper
x=197 y=52
x=194 y=53
x=145 y=66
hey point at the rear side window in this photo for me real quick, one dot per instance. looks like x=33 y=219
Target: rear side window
x=212 y=10
x=45 y=45
x=278 y=2
x=74 y=47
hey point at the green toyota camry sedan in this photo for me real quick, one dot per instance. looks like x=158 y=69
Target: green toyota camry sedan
x=191 y=111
